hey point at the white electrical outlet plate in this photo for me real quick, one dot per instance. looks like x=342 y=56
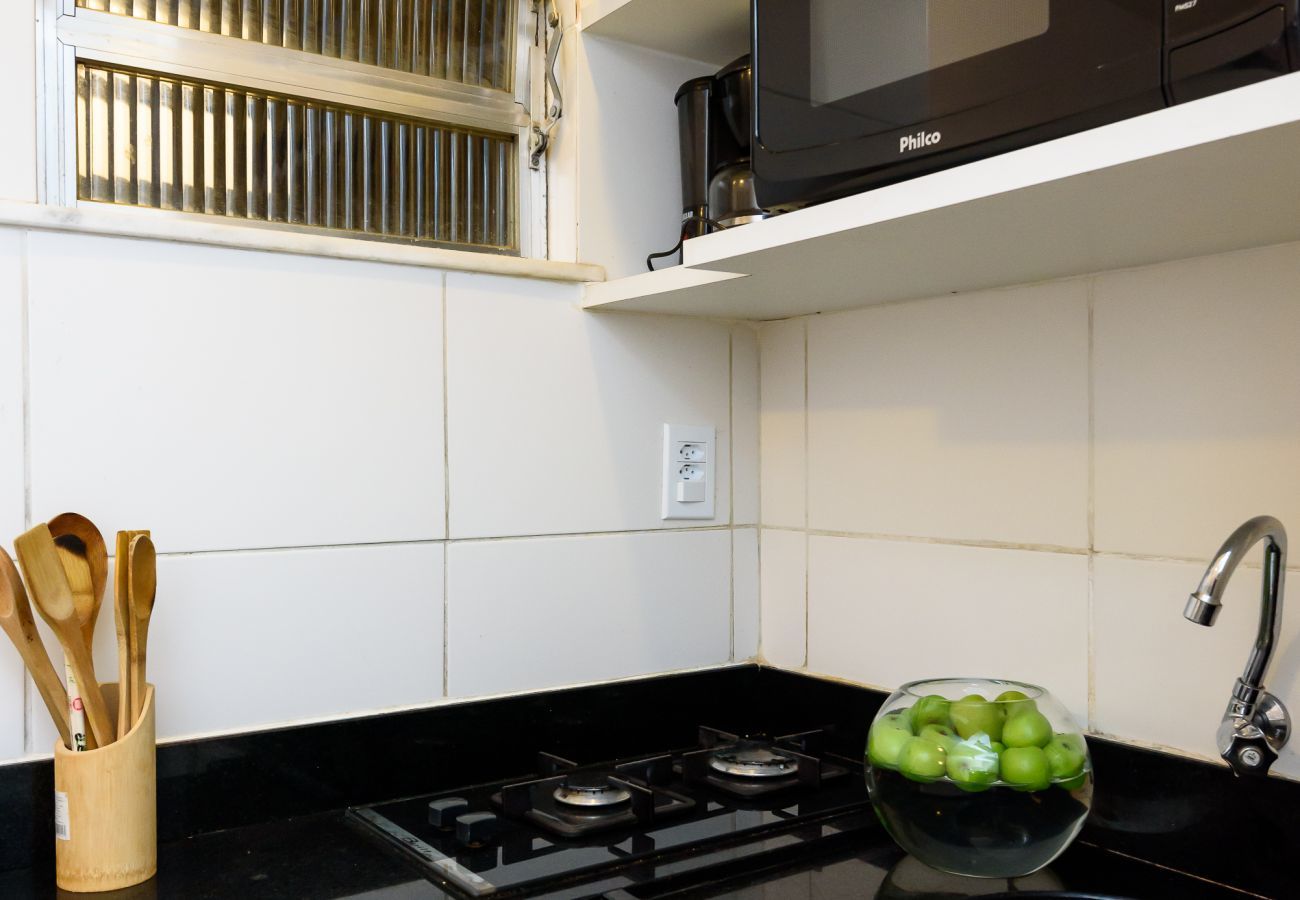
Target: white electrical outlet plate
x=689 y=471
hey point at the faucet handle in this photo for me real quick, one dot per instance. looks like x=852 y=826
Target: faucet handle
x=1249 y=738
x=1249 y=755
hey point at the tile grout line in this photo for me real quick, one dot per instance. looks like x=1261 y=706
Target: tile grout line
x=731 y=480
x=807 y=521
x=758 y=527
x=24 y=316
x=981 y=544
x=446 y=490
x=424 y=542
x=1092 y=507
x=731 y=544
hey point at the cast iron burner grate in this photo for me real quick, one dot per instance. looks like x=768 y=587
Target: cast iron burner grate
x=575 y=801
x=755 y=766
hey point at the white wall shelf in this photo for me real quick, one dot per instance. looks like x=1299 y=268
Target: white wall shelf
x=1215 y=175
x=711 y=31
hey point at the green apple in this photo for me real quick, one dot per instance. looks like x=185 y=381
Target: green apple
x=921 y=759
x=902 y=717
x=1015 y=702
x=972 y=765
x=998 y=746
x=1025 y=768
x=942 y=735
x=930 y=710
x=888 y=735
x=1027 y=729
x=973 y=715
x=1065 y=759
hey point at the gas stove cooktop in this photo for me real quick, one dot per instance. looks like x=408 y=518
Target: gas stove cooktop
x=580 y=830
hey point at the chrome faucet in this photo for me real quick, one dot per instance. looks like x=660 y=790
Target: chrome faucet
x=1255 y=725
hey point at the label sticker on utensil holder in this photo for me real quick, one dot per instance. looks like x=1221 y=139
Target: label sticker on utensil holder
x=62 y=827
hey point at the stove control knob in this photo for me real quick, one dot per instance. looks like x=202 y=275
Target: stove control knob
x=476 y=829
x=443 y=813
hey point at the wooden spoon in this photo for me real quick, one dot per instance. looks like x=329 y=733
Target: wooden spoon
x=143 y=561
x=16 y=620
x=75 y=535
x=53 y=597
x=123 y=621
x=85 y=561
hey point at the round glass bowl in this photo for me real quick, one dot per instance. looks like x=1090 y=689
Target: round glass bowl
x=979 y=776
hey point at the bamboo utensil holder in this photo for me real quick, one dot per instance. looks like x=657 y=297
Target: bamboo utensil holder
x=106 y=826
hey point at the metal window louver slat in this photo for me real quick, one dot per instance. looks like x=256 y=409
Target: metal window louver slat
x=469 y=41
x=152 y=140
x=463 y=40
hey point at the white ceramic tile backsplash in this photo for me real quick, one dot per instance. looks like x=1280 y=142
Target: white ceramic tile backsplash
x=744 y=425
x=964 y=422
x=886 y=612
x=535 y=613
x=11 y=469
x=1197 y=393
x=18 y=100
x=287 y=405
x=783 y=638
x=12 y=701
x=239 y=640
x=1163 y=680
x=555 y=416
x=11 y=386
x=745 y=609
x=229 y=399
x=962 y=417
x=782 y=423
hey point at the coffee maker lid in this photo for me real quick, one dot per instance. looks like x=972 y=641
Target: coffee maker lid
x=704 y=83
x=739 y=64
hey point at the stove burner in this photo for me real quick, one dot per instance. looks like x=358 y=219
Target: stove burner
x=570 y=802
x=591 y=790
x=753 y=759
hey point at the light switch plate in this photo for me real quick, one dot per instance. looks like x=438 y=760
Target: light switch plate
x=689 y=471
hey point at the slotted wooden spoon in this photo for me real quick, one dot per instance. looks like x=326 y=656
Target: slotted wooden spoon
x=53 y=598
x=84 y=557
x=16 y=620
x=143 y=585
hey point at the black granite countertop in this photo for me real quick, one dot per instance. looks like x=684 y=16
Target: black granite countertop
x=259 y=815
x=322 y=857
x=315 y=856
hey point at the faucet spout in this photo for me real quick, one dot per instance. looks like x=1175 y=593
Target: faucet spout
x=1256 y=724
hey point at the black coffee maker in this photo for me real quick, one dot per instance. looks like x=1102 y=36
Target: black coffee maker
x=713 y=122
x=731 y=184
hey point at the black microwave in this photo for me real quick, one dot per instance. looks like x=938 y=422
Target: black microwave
x=853 y=94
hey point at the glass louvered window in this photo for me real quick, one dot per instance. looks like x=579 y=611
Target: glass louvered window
x=403 y=120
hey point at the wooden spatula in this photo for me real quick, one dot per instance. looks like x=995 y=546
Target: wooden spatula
x=85 y=561
x=143 y=584
x=53 y=598
x=16 y=620
x=122 y=618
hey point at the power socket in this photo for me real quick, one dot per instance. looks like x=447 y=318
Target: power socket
x=689 y=471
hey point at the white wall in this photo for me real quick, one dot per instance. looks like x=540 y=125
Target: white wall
x=371 y=486
x=615 y=173
x=18 y=100
x=1028 y=483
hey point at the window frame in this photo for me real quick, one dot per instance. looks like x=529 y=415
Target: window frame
x=68 y=33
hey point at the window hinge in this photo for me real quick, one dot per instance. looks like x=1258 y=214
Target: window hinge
x=550 y=34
